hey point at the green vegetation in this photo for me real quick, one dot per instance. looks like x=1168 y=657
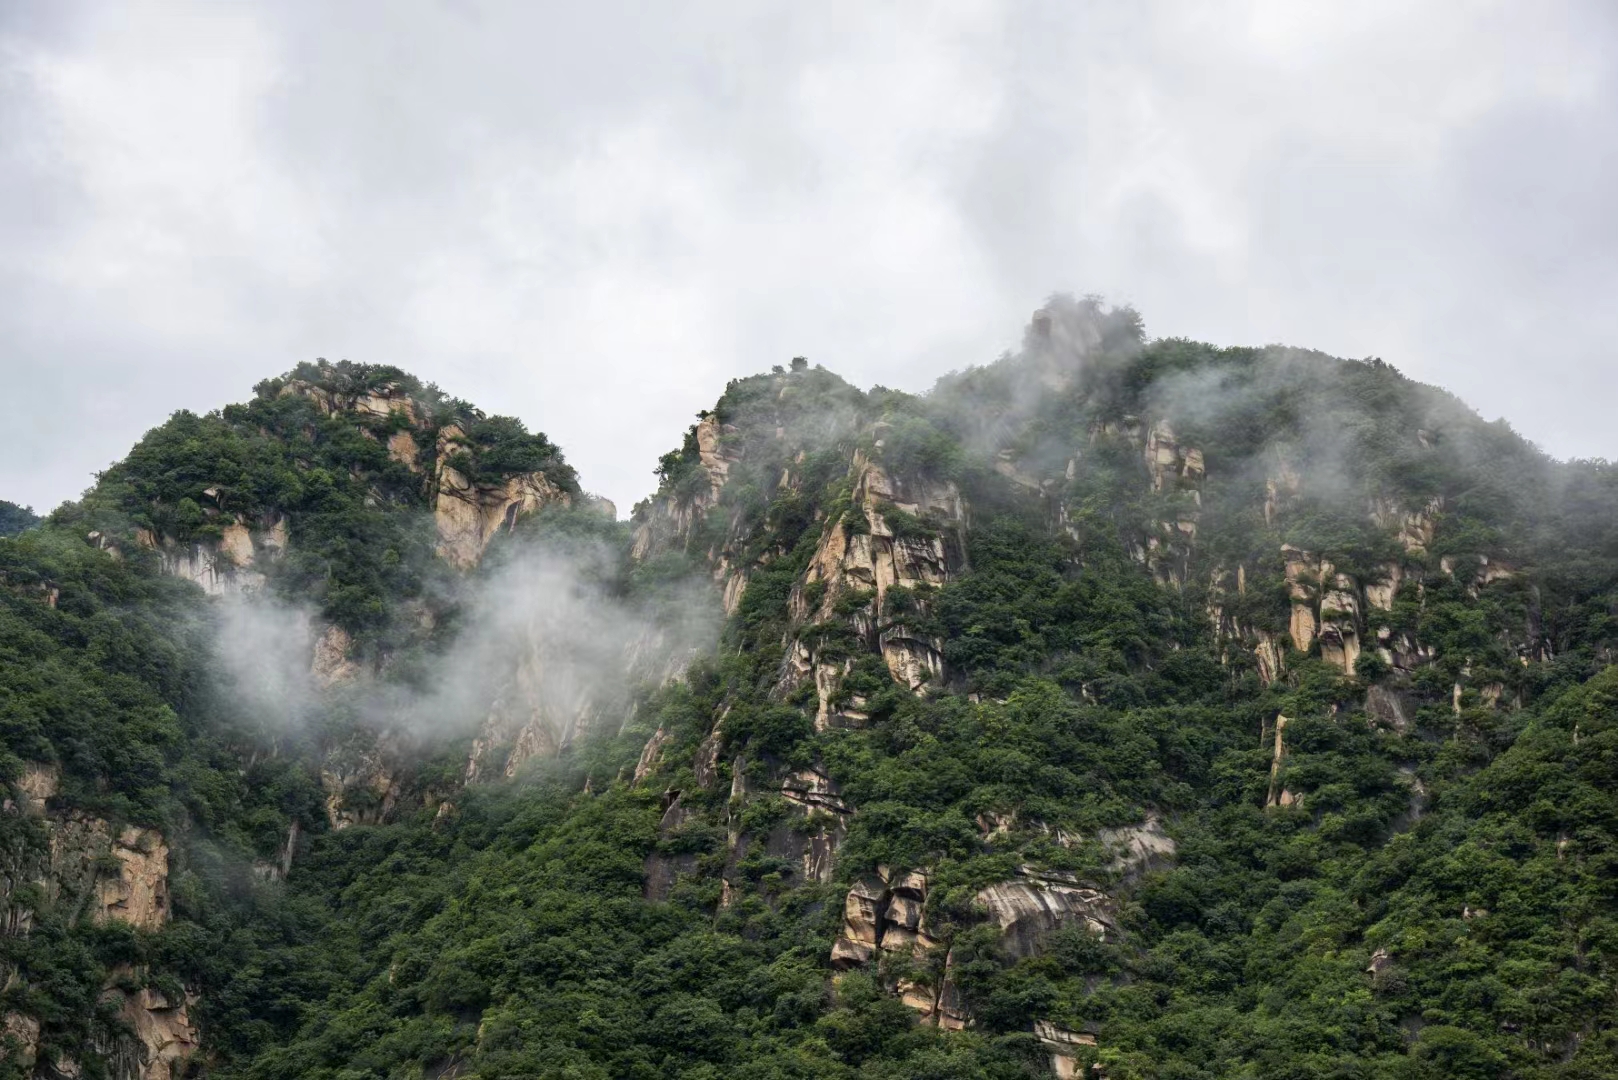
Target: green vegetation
x=14 y=519
x=360 y=535
x=1435 y=900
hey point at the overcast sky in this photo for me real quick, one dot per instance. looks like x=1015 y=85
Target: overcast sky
x=591 y=215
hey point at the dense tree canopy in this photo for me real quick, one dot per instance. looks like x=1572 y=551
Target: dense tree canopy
x=1436 y=899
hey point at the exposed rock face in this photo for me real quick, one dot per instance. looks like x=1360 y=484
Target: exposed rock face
x=885 y=914
x=536 y=713
x=232 y=565
x=861 y=557
x=362 y=781
x=1172 y=468
x=1303 y=582
x=651 y=755
x=1278 y=794
x=1030 y=907
x=1269 y=656
x=86 y=869
x=817 y=798
x=1139 y=849
x=1325 y=605
x=331 y=663
x=1387 y=709
x=381 y=402
x=862 y=924
x=564 y=675
x=468 y=514
x=19 y=1039
x=662 y=869
x=1172 y=465
x=1064 y=1046
x=164 y=1032
x=1413 y=528
x=81 y=850
x=1280 y=488
x=403 y=449
x=36 y=787
x=1339 y=624
x=672 y=519
x=1380 y=593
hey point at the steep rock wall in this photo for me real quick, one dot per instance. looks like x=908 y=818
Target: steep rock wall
x=859 y=562
x=469 y=514
x=884 y=915
x=89 y=869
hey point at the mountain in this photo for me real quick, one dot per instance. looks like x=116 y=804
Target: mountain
x=14 y=519
x=1121 y=708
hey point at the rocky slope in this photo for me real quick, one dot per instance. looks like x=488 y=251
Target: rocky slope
x=1121 y=708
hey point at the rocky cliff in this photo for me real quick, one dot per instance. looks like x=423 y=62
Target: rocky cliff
x=884 y=538
x=80 y=869
x=1116 y=708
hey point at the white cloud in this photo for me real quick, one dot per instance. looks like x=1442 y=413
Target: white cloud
x=593 y=217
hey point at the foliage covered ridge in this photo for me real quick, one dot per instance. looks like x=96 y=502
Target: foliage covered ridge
x=1121 y=708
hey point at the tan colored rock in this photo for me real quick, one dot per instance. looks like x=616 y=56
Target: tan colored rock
x=670 y=521
x=542 y=706
x=381 y=402
x=950 y=1012
x=403 y=449
x=874 y=560
x=1138 y=849
x=1380 y=593
x=913 y=661
x=1171 y=465
x=82 y=850
x=1278 y=795
x=735 y=584
x=237 y=545
x=275 y=538
x=652 y=754
x=1269 y=656
x=1339 y=624
x=1279 y=489
x=37 y=785
x=219 y=570
x=361 y=780
x=139 y=894
x=708 y=451
x=1413 y=528
x=19 y=1039
x=1029 y=909
x=468 y=515
x=706 y=765
x=1325 y=605
x=813 y=790
x=230 y=566
x=331 y=663
x=1063 y=1046
x=862 y=914
x=1303 y=573
x=164 y=1030
x=1006 y=465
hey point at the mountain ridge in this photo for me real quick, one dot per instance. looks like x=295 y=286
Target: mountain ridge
x=1031 y=708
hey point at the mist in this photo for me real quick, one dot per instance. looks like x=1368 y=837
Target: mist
x=547 y=637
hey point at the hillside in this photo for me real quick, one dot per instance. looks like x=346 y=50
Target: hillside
x=1121 y=708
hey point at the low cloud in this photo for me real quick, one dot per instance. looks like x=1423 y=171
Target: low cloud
x=548 y=638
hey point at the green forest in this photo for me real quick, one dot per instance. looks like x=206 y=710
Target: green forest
x=1336 y=649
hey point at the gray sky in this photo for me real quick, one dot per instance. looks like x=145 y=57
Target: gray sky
x=592 y=215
